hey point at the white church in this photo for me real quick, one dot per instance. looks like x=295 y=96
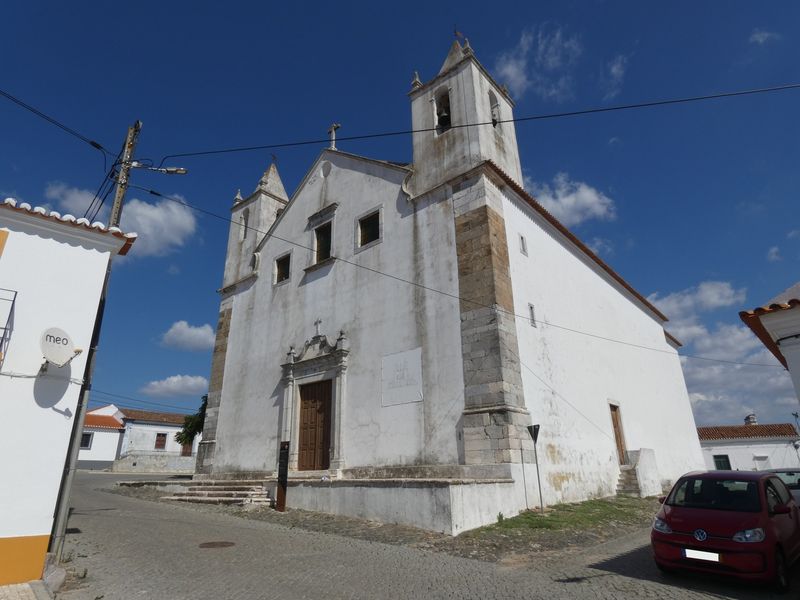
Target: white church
x=401 y=326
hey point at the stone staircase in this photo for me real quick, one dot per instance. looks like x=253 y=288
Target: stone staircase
x=239 y=492
x=628 y=484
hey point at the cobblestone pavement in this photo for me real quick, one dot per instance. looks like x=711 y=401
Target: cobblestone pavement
x=134 y=548
x=18 y=591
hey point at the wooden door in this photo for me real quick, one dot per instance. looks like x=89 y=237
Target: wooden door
x=315 y=426
x=616 y=421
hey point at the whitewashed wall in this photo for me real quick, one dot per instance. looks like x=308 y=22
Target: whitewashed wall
x=58 y=273
x=570 y=379
x=141 y=438
x=380 y=316
x=105 y=443
x=783 y=324
x=748 y=455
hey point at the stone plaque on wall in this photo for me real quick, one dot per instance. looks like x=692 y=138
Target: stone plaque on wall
x=401 y=378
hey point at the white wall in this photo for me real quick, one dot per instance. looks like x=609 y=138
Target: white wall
x=570 y=379
x=58 y=272
x=380 y=316
x=784 y=324
x=105 y=443
x=742 y=455
x=141 y=438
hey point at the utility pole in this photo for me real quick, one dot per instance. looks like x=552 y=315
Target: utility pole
x=124 y=173
x=61 y=515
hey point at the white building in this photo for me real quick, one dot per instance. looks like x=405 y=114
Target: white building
x=101 y=438
x=401 y=325
x=52 y=269
x=777 y=325
x=750 y=447
x=131 y=440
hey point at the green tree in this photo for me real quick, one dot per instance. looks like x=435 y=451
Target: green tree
x=192 y=424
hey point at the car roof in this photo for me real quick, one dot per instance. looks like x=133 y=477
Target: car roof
x=739 y=475
x=783 y=470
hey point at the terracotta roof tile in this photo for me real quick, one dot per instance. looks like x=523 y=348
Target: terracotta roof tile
x=739 y=432
x=154 y=417
x=97 y=226
x=102 y=422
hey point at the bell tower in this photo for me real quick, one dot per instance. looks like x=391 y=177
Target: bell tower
x=461 y=117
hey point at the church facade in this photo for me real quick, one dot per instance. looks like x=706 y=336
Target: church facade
x=402 y=325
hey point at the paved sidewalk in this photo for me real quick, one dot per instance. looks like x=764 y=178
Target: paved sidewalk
x=34 y=590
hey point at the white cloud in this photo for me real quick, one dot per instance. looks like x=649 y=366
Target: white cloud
x=774 y=254
x=722 y=392
x=69 y=200
x=794 y=233
x=613 y=76
x=600 y=245
x=173 y=270
x=162 y=227
x=176 y=385
x=613 y=141
x=762 y=36
x=542 y=61
x=572 y=202
x=183 y=336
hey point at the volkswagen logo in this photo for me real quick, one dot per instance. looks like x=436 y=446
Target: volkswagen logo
x=700 y=535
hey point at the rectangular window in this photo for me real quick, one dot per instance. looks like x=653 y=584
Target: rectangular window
x=86 y=441
x=369 y=229
x=161 y=441
x=722 y=462
x=523 y=245
x=532 y=314
x=323 y=235
x=282 y=268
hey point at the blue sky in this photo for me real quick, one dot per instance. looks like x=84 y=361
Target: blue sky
x=695 y=205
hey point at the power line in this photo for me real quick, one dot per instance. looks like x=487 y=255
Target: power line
x=130 y=399
x=542 y=117
x=59 y=124
x=447 y=294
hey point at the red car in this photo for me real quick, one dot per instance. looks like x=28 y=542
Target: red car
x=743 y=524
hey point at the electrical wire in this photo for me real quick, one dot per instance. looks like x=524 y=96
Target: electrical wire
x=53 y=121
x=94 y=390
x=542 y=117
x=448 y=294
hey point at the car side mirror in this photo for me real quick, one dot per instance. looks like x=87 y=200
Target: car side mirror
x=781 y=509
x=662 y=499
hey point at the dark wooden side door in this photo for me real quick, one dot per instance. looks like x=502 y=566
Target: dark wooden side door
x=315 y=426
x=616 y=421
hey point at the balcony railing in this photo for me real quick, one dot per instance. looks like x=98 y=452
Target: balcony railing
x=8 y=299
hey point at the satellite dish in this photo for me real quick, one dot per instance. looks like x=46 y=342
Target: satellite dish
x=57 y=347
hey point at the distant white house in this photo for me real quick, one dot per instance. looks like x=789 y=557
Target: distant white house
x=52 y=269
x=777 y=325
x=101 y=438
x=750 y=447
x=135 y=441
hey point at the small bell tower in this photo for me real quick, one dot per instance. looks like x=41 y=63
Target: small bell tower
x=445 y=113
x=251 y=218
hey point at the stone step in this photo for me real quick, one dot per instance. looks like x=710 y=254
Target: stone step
x=227 y=482
x=200 y=500
x=226 y=488
x=215 y=494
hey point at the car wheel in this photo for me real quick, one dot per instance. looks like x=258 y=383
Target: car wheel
x=781 y=580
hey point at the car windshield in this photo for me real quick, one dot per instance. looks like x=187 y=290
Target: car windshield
x=790 y=478
x=716 y=494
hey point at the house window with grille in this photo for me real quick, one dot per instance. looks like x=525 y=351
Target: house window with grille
x=722 y=462
x=161 y=441
x=86 y=441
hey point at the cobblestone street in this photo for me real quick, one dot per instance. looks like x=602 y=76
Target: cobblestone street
x=133 y=548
